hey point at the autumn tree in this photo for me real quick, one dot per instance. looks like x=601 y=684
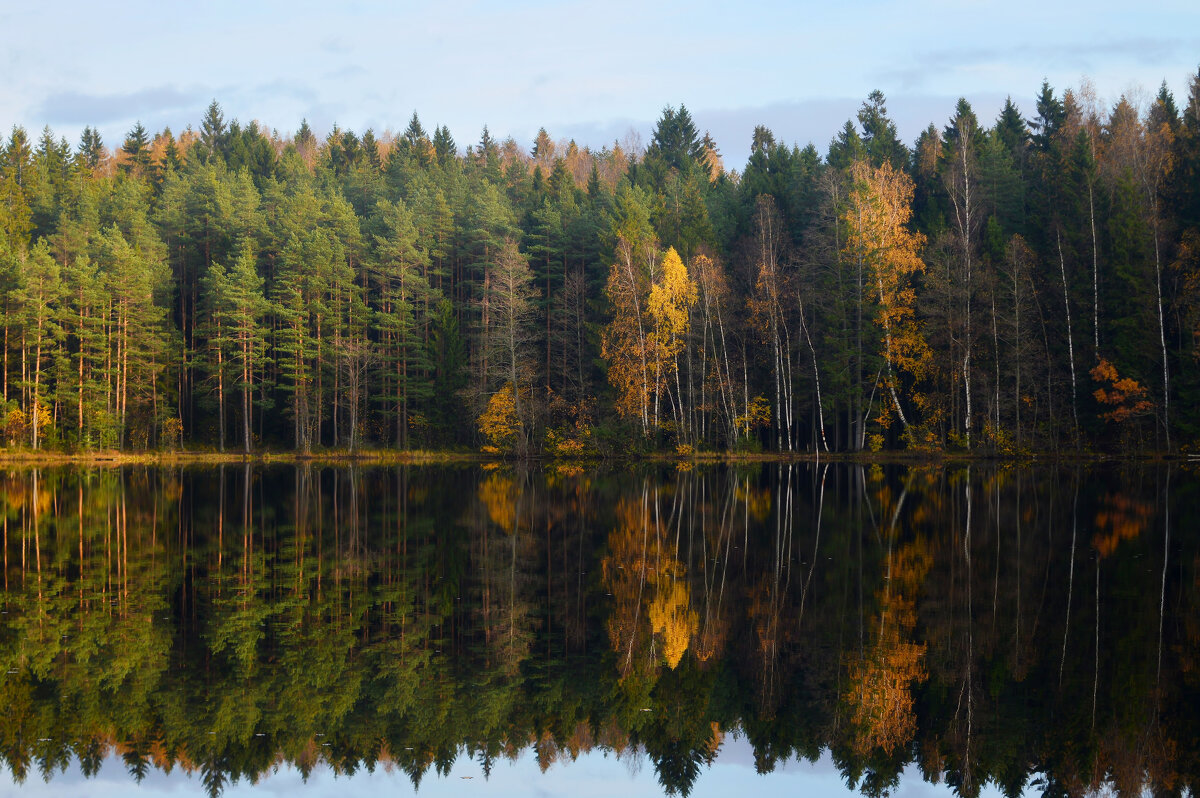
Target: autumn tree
x=511 y=298
x=876 y=218
x=672 y=295
x=882 y=677
x=624 y=343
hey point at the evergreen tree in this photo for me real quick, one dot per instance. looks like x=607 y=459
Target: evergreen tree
x=1012 y=131
x=846 y=148
x=403 y=297
x=18 y=157
x=212 y=133
x=91 y=148
x=444 y=146
x=136 y=151
x=1051 y=116
x=238 y=335
x=40 y=295
x=879 y=136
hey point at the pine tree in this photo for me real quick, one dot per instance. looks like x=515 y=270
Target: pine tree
x=91 y=148
x=41 y=297
x=403 y=296
x=136 y=151
x=213 y=138
x=879 y=136
x=238 y=336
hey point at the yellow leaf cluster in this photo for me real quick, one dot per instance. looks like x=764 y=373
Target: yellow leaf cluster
x=758 y=414
x=671 y=299
x=651 y=597
x=876 y=218
x=499 y=422
x=641 y=350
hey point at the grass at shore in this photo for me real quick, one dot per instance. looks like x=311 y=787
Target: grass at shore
x=30 y=457
x=385 y=457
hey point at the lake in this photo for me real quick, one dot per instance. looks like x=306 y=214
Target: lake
x=817 y=628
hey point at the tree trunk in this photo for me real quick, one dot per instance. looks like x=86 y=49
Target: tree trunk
x=1070 y=342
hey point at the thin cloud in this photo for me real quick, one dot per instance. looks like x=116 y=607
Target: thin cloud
x=336 y=46
x=77 y=108
x=1144 y=50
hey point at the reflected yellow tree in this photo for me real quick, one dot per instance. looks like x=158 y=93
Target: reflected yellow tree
x=505 y=611
x=879 y=696
x=652 y=621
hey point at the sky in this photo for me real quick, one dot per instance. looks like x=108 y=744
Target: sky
x=595 y=72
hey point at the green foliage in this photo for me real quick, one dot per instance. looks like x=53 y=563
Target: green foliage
x=374 y=262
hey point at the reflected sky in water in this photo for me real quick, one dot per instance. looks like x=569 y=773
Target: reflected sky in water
x=593 y=775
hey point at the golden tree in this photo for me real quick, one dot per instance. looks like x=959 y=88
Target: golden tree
x=672 y=296
x=651 y=317
x=499 y=421
x=623 y=343
x=877 y=236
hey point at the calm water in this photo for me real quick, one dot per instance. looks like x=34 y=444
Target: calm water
x=774 y=628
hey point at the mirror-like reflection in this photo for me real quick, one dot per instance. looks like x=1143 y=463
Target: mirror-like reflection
x=1036 y=629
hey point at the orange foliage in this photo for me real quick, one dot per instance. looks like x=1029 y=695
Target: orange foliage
x=1120 y=518
x=876 y=218
x=1126 y=396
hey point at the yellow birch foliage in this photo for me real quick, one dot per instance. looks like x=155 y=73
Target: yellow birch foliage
x=499 y=495
x=672 y=618
x=758 y=414
x=671 y=299
x=499 y=422
x=641 y=360
x=623 y=343
x=877 y=214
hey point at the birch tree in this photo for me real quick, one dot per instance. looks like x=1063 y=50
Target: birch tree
x=876 y=217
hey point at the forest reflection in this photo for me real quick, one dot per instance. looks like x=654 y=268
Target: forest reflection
x=1036 y=628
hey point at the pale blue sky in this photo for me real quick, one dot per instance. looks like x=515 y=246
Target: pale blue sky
x=586 y=70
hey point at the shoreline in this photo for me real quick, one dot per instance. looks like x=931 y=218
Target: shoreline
x=387 y=457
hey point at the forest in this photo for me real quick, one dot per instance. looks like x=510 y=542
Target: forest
x=1028 y=285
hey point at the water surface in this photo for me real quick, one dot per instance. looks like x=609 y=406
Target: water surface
x=985 y=628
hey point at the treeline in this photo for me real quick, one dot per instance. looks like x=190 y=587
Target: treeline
x=1031 y=285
